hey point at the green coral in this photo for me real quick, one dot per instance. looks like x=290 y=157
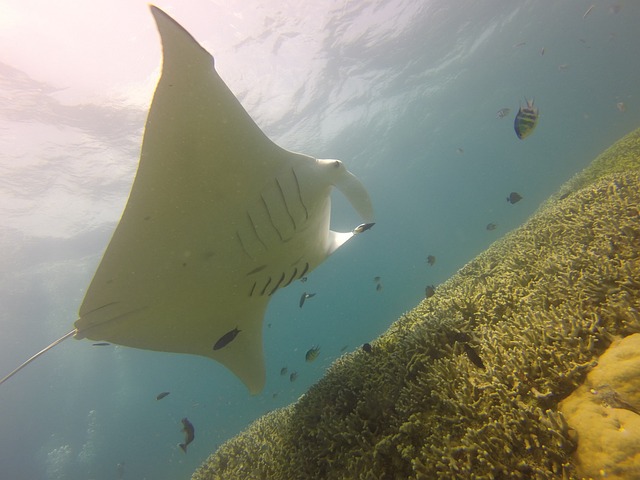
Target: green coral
x=467 y=384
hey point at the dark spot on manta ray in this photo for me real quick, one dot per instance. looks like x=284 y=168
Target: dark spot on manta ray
x=227 y=338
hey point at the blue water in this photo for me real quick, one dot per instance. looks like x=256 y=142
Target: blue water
x=404 y=92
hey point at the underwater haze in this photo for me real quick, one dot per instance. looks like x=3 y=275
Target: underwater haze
x=406 y=93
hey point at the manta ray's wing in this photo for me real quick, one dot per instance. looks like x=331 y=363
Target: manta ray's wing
x=219 y=218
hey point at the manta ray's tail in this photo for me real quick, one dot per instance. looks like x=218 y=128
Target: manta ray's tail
x=44 y=350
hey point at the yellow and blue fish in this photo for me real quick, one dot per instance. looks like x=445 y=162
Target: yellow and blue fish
x=526 y=120
x=312 y=353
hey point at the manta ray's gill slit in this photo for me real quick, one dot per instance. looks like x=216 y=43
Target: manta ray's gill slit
x=255 y=231
x=273 y=290
x=265 y=286
x=295 y=177
x=295 y=270
x=257 y=269
x=306 y=267
x=244 y=248
x=284 y=200
x=252 y=289
x=266 y=207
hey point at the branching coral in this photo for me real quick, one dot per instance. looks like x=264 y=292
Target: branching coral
x=467 y=385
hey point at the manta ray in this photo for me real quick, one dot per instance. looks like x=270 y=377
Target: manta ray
x=219 y=219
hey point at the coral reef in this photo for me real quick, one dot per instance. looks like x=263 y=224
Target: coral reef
x=624 y=155
x=605 y=413
x=467 y=385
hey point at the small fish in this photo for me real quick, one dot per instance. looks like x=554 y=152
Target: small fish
x=429 y=291
x=473 y=356
x=459 y=151
x=189 y=434
x=521 y=44
x=542 y=51
x=367 y=348
x=526 y=120
x=379 y=287
x=344 y=347
x=431 y=260
x=376 y=279
x=621 y=107
x=514 y=197
x=101 y=344
x=312 y=353
x=304 y=296
x=227 y=338
x=588 y=11
x=293 y=376
x=161 y=395
x=563 y=66
x=362 y=228
x=503 y=112
x=284 y=370
x=491 y=226
x=303 y=279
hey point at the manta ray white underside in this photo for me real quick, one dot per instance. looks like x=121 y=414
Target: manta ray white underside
x=219 y=219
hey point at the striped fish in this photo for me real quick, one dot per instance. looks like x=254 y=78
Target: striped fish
x=526 y=120
x=312 y=353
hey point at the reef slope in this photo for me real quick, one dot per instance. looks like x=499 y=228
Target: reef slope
x=467 y=385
